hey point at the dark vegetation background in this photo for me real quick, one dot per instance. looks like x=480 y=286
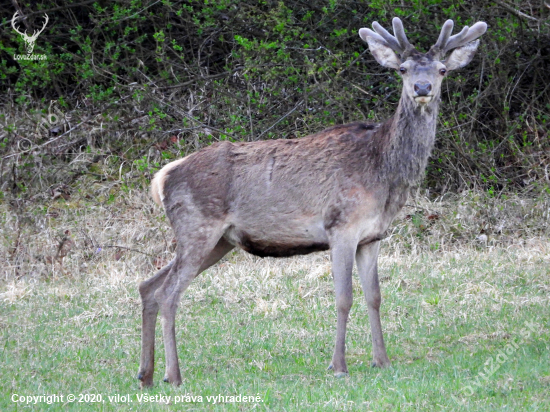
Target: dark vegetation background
x=129 y=85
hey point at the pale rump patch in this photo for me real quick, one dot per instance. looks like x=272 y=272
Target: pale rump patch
x=157 y=184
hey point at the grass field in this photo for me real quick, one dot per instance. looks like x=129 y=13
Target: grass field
x=466 y=322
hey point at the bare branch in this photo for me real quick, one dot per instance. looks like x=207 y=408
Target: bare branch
x=517 y=12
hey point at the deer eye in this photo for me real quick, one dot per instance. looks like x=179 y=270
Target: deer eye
x=402 y=70
x=442 y=71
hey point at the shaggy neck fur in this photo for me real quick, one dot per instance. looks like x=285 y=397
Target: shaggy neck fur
x=411 y=139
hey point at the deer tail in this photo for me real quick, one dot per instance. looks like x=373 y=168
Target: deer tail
x=158 y=182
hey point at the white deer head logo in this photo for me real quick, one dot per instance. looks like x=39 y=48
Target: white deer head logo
x=29 y=40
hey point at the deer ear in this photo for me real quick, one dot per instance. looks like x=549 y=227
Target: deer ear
x=381 y=52
x=461 y=56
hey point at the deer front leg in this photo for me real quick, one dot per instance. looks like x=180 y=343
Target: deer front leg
x=342 y=266
x=367 y=267
x=150 y=309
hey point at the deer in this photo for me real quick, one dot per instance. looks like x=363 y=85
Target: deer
x=336 y=190
x=29 y=40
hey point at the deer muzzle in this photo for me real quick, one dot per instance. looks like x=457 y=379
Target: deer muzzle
x=422 y=90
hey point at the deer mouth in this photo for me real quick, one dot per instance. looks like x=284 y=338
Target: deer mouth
x=423 y=99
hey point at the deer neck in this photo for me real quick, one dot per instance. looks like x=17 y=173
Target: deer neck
x=410 y=142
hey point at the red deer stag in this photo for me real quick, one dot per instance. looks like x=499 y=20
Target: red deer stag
x=338 y=189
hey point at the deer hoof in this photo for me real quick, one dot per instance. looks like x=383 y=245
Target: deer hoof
x=175 y=382
x=379 y=364
x=144 y=381
x=337 y=375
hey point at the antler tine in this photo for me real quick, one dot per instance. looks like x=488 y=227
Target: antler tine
x=36 y=33
x=446 y=42
x=399 y=32
x=16 y=16
x=43 y=26
x=446 y=31
x=455 y=40
x=387 y=37
x=398 y=41
x=467 y=35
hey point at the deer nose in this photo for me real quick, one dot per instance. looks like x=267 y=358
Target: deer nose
x=422 y=88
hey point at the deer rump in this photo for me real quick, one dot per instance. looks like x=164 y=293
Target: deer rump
x=279 y=197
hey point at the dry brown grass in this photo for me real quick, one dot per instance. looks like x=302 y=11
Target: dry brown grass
x=129 y=238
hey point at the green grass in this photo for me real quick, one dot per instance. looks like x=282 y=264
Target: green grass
x=266 y=327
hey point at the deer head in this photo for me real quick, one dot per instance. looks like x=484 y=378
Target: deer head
x=29 y=40
x=422 y=73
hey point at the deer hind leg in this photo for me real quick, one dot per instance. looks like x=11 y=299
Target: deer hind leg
x=147 y=291
x=367 y=267
x=219 y=251
x=150 y=309
x=342 y=266
x=197 y=254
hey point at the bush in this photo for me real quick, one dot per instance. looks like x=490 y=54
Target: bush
x=158 y=79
